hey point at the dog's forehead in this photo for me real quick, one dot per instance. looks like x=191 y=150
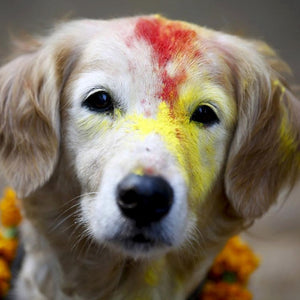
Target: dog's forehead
x=167 y=37
x=169 y=41
x=147 y=60
x=170 y=50
x=173 y=45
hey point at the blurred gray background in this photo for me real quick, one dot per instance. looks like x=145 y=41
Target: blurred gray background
x=276 y=237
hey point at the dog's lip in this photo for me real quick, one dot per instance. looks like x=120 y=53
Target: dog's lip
x=141 y=239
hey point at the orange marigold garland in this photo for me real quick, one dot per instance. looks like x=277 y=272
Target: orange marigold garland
x=228 y=277
x=10 y=219
x=226 y=280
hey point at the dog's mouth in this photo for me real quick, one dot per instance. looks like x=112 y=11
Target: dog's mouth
x=140 y=244
x=142 y=239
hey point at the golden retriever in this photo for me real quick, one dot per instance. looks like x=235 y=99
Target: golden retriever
x=139 y=146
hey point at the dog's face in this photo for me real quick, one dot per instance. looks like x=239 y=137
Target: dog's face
x=155 y=115
x=149 y=126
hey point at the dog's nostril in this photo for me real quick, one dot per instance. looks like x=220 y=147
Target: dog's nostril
x=128 y=199
x=144 y=199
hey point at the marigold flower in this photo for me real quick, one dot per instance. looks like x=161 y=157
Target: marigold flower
x=225 y=291
x=230 y=272
x=4 y=287
x=4 y=270
x=9 y=210
x=236 y=257
x=8 y=248
x=10 y=217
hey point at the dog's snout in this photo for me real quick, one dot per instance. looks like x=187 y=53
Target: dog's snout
x=144 y=199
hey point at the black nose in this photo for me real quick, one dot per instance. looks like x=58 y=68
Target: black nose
x=144 y=199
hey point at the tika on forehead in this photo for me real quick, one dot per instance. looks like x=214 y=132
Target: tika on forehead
x=170 y=41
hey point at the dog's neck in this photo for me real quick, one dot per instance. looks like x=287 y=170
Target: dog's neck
x=69 y=265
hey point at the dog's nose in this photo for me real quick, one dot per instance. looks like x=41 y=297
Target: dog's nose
x=144 y=199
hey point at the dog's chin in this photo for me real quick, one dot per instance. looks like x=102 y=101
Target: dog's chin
x=140 y=246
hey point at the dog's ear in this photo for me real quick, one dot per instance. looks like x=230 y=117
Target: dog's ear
x=265 y=151
x=29 y=114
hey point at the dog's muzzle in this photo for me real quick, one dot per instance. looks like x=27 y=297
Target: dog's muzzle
x=144 y=199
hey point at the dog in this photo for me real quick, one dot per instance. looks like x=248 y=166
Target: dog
x=139 y=146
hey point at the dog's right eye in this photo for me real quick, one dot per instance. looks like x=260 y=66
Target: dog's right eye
x=99 y=101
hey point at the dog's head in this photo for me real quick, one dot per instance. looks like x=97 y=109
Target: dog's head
x=157 y=117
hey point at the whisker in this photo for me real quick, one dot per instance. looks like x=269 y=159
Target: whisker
x=78 y=197
x=83 y=236
x=61 y=219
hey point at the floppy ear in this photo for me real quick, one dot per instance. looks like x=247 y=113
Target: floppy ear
x=29 y=114
x=265 y=151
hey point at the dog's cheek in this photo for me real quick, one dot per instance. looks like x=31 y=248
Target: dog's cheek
x=205 y=177
x=201 y=155
x=88 y=141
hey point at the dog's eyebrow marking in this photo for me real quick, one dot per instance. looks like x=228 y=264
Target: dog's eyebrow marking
x=171 y=42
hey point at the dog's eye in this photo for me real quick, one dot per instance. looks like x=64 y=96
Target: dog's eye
x=205 y=115
x=99 y=101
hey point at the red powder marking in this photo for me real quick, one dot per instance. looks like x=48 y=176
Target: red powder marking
x=147 y=113
x=129 y=41
x=149 y=171
x=168 y=40
x=131 y=67
x=169 y=91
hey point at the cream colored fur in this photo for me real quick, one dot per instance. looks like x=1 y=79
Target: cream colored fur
x=66 y=172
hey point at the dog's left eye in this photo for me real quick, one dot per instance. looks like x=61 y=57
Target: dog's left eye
x=205 y=115
x=99 y=101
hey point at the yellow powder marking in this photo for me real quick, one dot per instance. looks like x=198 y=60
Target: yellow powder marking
x=138 y=171
x=93 y=124
x=288 y=141
x=189 y=142
x=164 y=125
x=206 y=93
x=199 y=144
x=192 y=145
x=277 y=83
x=154 y=272
x=197 y=147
